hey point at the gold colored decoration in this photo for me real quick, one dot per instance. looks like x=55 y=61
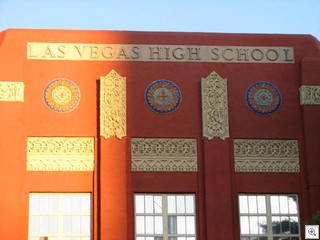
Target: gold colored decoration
x=60 y=154
x=215 y=120
x=113 y=105
x=262 y=155
x=164 y=155
x=60 y=51
x=62 y=95
x=309 y=95
x=11 y=91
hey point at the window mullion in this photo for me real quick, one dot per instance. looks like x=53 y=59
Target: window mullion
x=166 y=222
x=269 y=219
x=60 y=216
x=165 y=216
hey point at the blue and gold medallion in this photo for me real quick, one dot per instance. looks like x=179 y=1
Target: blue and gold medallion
x=163 y=96
x=62 y=95
x=263 y=98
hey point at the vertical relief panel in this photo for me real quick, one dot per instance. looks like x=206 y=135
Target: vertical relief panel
x=113 y=105
x=309 y=95
x=11 y=91
x=215 y=120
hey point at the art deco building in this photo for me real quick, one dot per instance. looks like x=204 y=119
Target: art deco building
x=118 y=135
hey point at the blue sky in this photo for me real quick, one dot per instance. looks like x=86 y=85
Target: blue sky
x=225 y=16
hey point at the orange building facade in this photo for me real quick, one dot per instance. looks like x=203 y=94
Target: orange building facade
x=158 y=136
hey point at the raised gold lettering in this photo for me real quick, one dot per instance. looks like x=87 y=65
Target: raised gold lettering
x=48 y=53
x=286 y=50
x=215 y=55
x=193 y=51
x=136 y=53
x=62 y=52
x=180 y=56
x=224 y=54
x=122 y=54
x=155 y=51
x=94 y=52
x=167 y=53
x=31 y=54
x=107 y=52
x=81 y=52
x=270 y=57
x=257 y=54
x=242 y=52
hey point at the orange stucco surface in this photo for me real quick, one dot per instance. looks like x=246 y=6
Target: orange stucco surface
x=112 y=183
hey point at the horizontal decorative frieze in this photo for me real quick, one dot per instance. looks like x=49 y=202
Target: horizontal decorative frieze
x=266 y=155
x=309 y=95
x=164 y=155
x=11 y=91
x=60 y=154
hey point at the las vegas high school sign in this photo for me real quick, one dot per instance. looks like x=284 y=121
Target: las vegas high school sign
x=160 y=53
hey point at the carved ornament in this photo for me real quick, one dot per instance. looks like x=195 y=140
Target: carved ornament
x=11 y=91
x=164 y=155
x=60 y=154
x=309 y=95
x=264 y=155
x=113 y=105
x=215 y=120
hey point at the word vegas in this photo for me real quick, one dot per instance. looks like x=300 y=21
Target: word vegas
x=162 y=53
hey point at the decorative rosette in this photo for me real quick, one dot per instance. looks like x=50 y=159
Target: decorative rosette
x=62 y=95
x=263 y=98
x=163 y=96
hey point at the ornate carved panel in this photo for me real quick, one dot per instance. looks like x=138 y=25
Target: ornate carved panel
x=11 y=91
x=60 y=154
x=309 y=95
x=215 y=120
x=261 y=155
x=113 y=105
x=164 y=155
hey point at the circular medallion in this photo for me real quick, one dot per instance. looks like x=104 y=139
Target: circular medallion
x=263 y=98
x=163 y=96
x=62 y=95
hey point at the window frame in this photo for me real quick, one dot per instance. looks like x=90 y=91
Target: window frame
x=165 y=216
x=60 y=214
x=269 y=235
